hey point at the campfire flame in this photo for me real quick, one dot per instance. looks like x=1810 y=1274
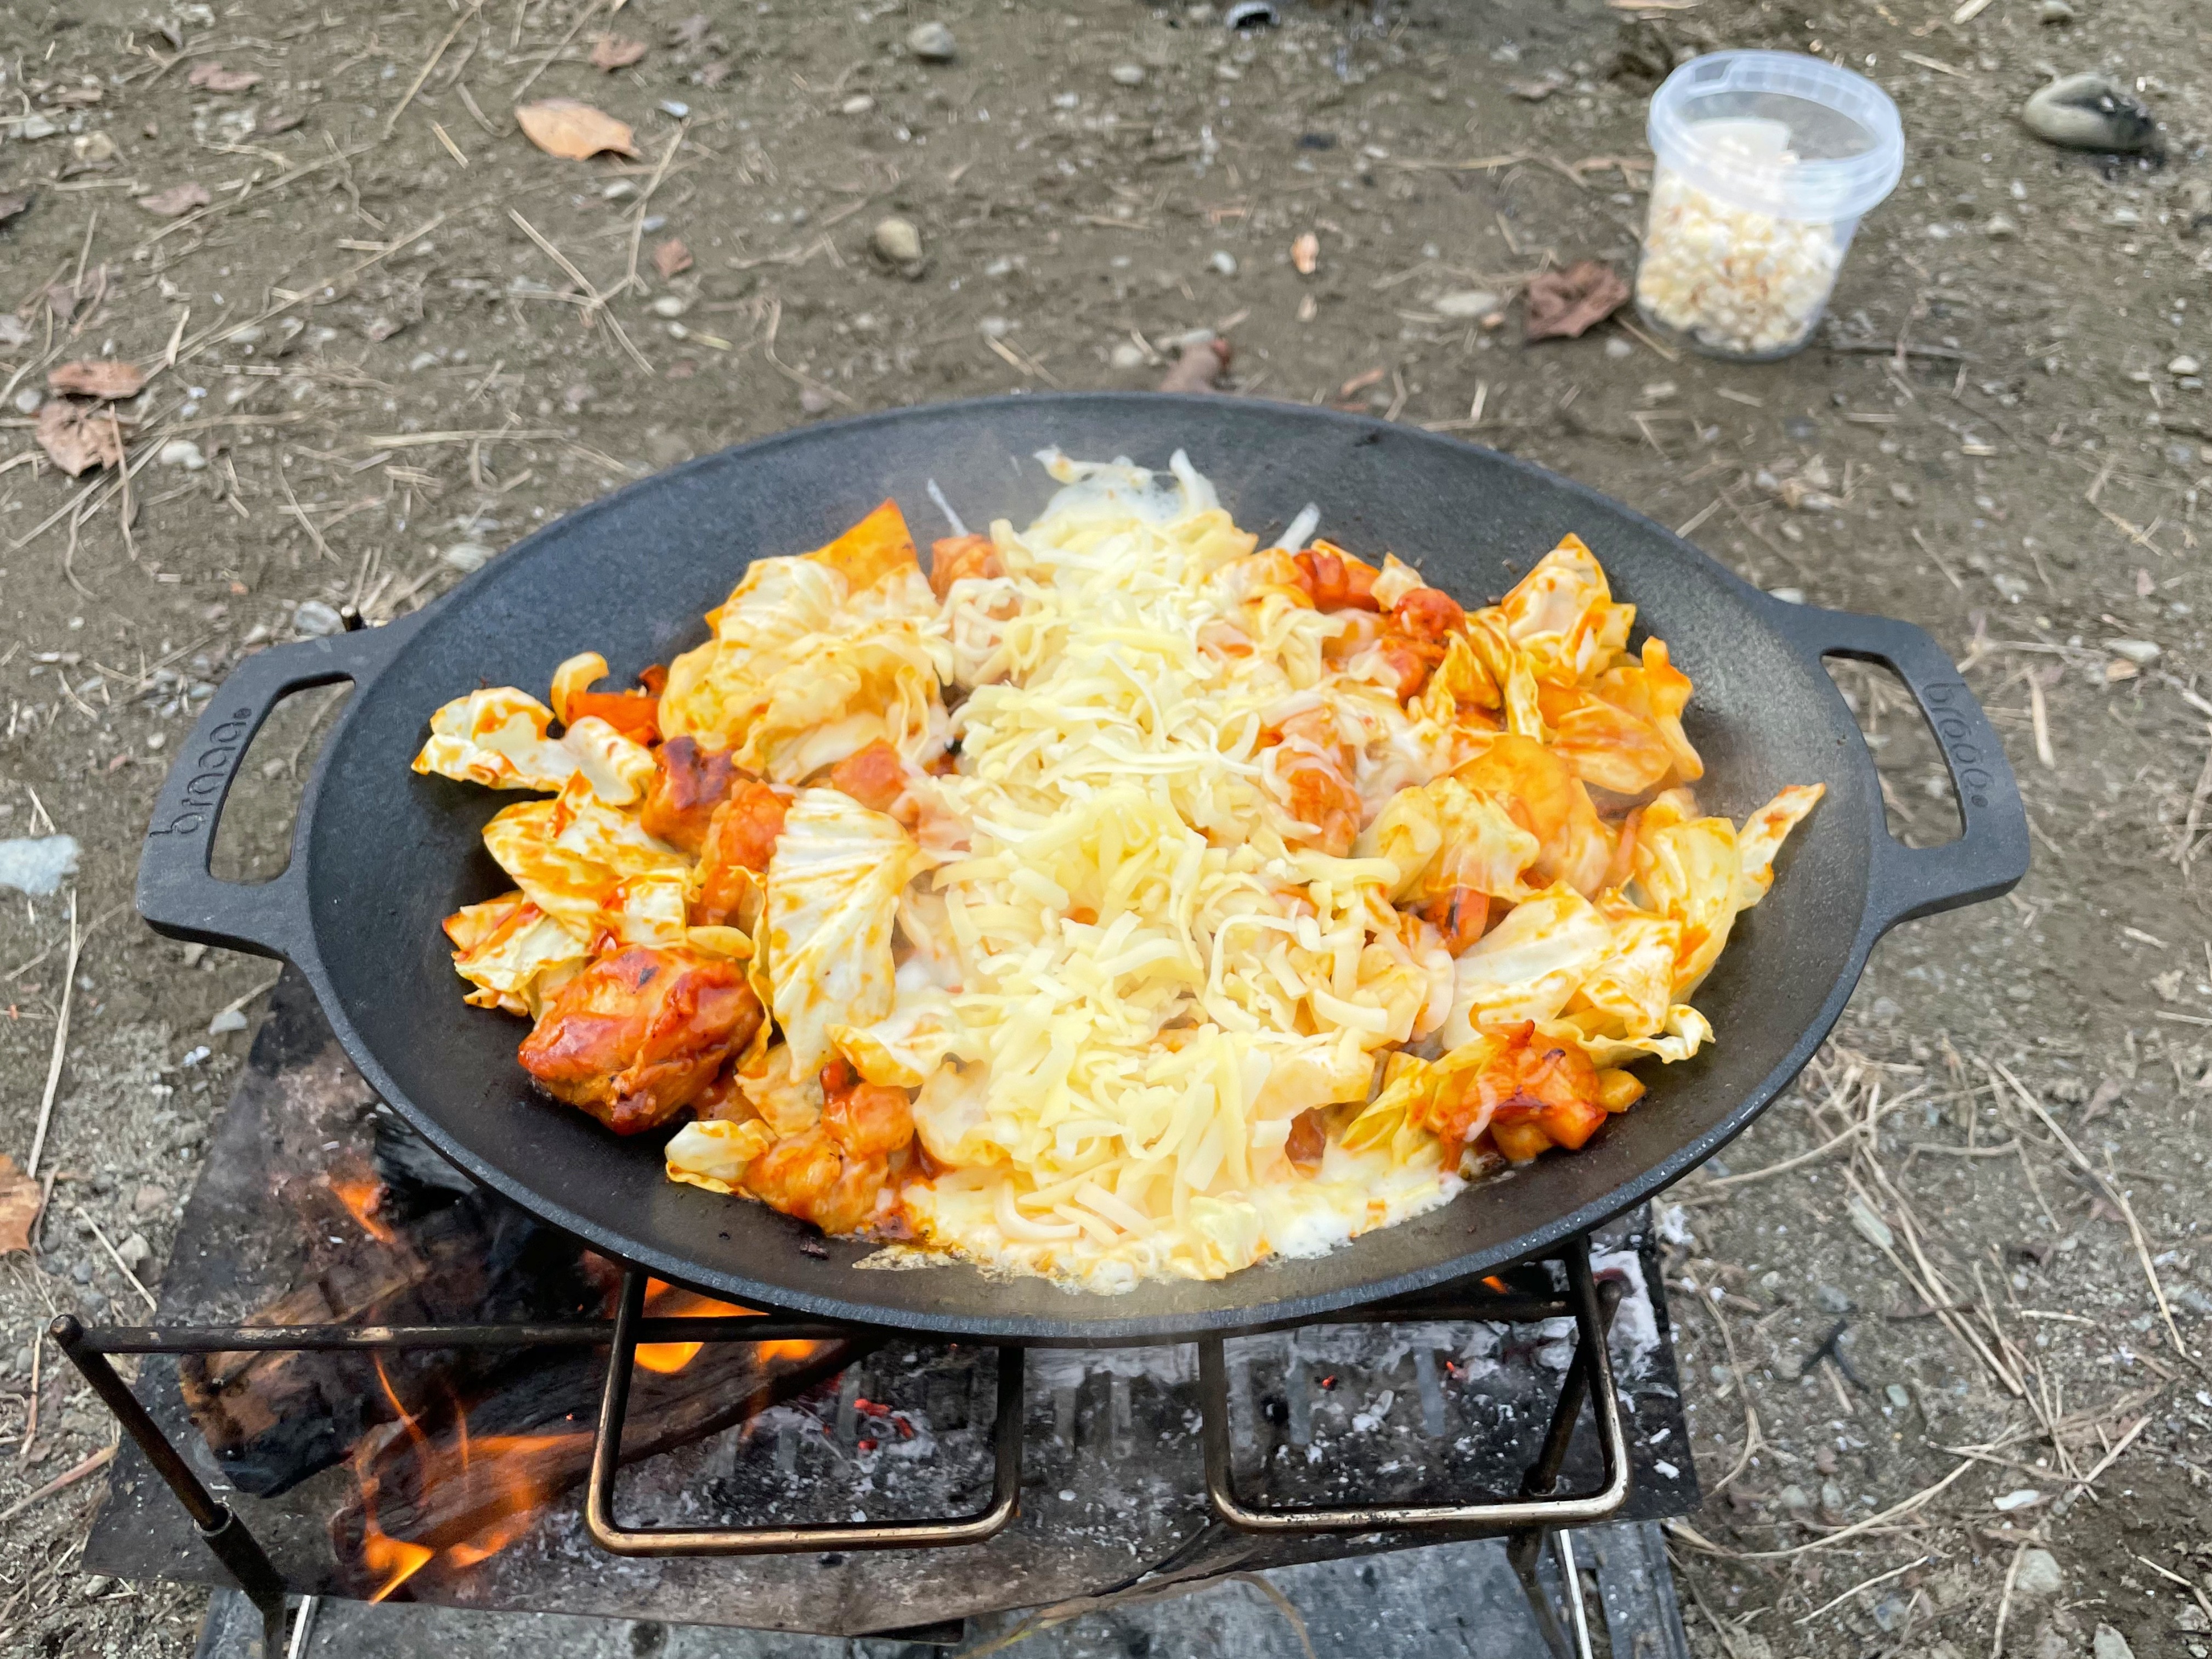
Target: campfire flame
x=503 y=1480
x=361 y=1199
x=666 y=1301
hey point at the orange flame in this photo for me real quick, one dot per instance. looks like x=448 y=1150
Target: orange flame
x=665 y=1301
x=361 y=1199
x=395 y=1556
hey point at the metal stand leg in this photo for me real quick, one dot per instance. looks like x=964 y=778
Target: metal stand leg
x=238 y=1551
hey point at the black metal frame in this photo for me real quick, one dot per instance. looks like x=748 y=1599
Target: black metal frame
x=1531 y=1519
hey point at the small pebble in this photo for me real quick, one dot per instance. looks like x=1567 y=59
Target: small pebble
x=2038 y=1574
x=28 y=400
x=858 y=104
x=1127 y=355
x=670 y=305
x=1126 y=75
x=2110 y=1644
x=2054 y=11
x=2184 y=364
x=316 y=620
x=1830 y=1299
x=134 y=1250
x=2089 y=112
x=1224 y=261
x=93 y=149
x=2000 y=229
x=181 y=452
x=931 y=42
x=898 y=244
x=148 y=1198
x=1466 y=304
x=36 y=865
x=466 y=556
x=230 y=1020
x=1617 y=347
x=2140 y=653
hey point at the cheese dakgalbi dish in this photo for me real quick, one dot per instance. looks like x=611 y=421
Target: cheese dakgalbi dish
x=1117 y=897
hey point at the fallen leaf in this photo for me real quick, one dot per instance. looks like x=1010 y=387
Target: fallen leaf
x=20 y=1201
x=175 y=200
x=573 y=132
x=213 y=78
x=672 y=257
x=13 y=202
x=78 y=437
x=98 y=377
x=1305 y=254
x=610 y=52
x=1563 y=304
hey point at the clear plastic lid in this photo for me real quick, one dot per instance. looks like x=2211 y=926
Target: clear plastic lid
x=1779 y=132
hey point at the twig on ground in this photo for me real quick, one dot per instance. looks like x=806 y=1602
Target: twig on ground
x=1866 y=1583
x=92 y=1465
x=61 y=1046
x=153 y=1303
x=400 y=108
x=597 y=306
x=1871 y=1521
x=2112 y=1191
x=2004 y=1604
x=546 y=62
x=630 y=279
x=2066 y=1499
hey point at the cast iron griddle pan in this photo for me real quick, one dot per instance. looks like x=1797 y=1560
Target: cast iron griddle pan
x=380 y=855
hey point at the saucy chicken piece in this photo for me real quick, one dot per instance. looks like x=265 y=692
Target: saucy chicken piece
x=1535 y=1094
x=688 y=782
x=1429 y=615
x=635 y=714
x=864 y=1119
x=955 y=558
x=1308 y=1140
x=1336 y=579
x=874 y=776
x=637 y=1038
x=1463 y=916
x=1316 y=772
x=741 y=836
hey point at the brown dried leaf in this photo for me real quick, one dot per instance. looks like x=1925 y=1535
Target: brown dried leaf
x=610 y=52
x=213 y=78
x=13 y=202
x=175 y=200
x=98 y=377
x=1564 y=304
x=78 y=437
x=1305 y=254
x=573 y=132
x=20 y=1201
x=672 y=257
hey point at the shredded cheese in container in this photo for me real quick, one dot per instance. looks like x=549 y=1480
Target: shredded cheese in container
x=1131 y=901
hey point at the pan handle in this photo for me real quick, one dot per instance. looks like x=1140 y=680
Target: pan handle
x=179 y=893
x=1991 y=855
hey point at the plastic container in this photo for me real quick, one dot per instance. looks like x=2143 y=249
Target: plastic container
x=1766 y=162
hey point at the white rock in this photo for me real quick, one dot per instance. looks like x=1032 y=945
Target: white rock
x=897 y=242
x=2140 y=653
x=1128 y=355
x=1224 y=261
x=1126 y=75
x=2024 y=1498
x=2038 y=1574
x=2184 y=364
x=133 y=1251
x=2000 y=229
x=314 y=618
x=37 y=126
x=36 y=865
x=28 y=400
x=670 y=305
x=181 y=452
x=858 y=104
x=93 y=149
x=230 y=1020
x=1466 y=304
x=466 y=556
x=2110 y=1644
x=932 y=42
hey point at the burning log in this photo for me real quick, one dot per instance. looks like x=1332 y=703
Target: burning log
x=272 y=1419
x=455 y=1485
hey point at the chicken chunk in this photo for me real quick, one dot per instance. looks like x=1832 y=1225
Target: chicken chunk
x=956 y=558
x=688 y=782
x=637 y=1038
x=874 y=776
x=740 y=838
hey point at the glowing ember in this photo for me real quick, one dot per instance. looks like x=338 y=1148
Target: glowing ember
x=394 y=1556
x=361 y=1199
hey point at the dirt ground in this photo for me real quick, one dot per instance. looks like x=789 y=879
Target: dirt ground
x=1928 y=1359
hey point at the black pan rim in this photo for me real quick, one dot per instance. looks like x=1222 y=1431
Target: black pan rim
x=1103 y=1329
